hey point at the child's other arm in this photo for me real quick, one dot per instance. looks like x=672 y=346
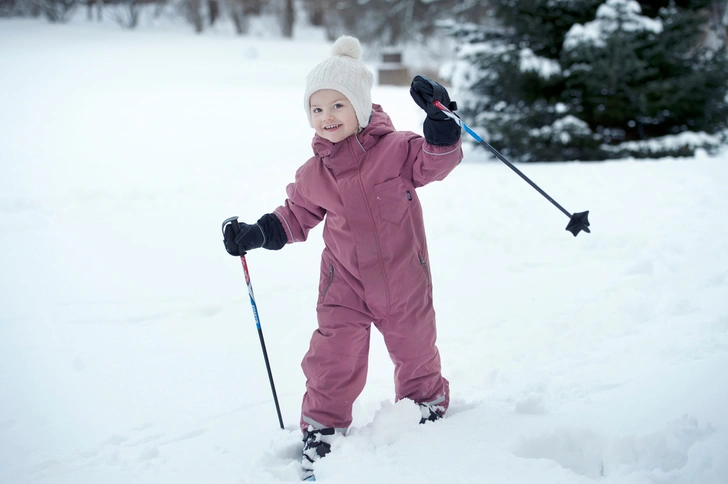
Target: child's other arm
x=298 y=214
x=240 y=237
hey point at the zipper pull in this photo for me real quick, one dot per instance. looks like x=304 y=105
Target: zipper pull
x=409 y=195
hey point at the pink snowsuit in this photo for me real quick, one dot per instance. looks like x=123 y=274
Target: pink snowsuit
x=374 y=267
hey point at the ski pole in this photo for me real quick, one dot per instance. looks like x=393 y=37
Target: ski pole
x=577 y=222
x=260 y=335
x=234 y=220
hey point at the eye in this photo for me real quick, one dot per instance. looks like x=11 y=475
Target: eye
x=316 y=110
x=338 y=106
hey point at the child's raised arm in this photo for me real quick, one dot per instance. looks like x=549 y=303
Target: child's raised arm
x=439 y=130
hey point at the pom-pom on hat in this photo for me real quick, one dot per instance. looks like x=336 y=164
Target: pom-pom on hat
x=344 y=72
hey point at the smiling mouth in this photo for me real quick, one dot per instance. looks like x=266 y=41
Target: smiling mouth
x=332 y=127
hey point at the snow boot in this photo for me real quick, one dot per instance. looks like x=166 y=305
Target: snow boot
x=430 y=413
x=316 y=444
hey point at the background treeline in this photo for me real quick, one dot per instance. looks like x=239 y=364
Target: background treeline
x=595 y=79
x=541 y=79
x=374 y=20
x=200 y=14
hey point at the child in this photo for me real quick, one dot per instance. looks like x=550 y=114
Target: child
x=374 y=267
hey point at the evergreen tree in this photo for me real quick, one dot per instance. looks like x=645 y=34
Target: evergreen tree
x=578 y=79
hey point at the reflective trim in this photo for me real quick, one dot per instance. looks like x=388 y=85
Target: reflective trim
x=293 y=239
x=443 y=154
x=317 y=426
x=263 y=233
x=360 y=145
x=436 y=401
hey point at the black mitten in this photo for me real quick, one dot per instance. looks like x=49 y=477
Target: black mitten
x=438 y=128
x=240 y=237
x=425 y=92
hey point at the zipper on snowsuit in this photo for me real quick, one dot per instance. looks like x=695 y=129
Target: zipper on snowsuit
x=328 y=284
x=374 y=225
x=423 y=262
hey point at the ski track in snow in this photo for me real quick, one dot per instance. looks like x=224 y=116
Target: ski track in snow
x=127 y=344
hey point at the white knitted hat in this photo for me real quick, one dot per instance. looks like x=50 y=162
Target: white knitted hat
x=345 y=73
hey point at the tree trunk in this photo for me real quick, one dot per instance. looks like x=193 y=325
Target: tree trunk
x=195 y=14
x=725 y=21
x=239 y=15
x=316 y=14
x=213 y=8
x=288 y=19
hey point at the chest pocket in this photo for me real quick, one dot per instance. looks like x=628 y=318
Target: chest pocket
x=392 y=199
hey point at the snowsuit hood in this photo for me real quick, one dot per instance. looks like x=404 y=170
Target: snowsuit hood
x=379 y=125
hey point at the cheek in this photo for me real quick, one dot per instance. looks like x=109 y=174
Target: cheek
x=353 y=124
x=354 y=120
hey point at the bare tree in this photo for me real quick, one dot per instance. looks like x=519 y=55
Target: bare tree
x=213 y=11
x=16 y=8
x=316 y=11
x=99 y=4
x=720 y=19
x=193 y=12
x=388 y=22
x=128 y=15
x=237 y=14
x=56 y=11
x=288 y=17
x=240 y=11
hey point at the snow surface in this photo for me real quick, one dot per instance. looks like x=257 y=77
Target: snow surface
x=128 y=351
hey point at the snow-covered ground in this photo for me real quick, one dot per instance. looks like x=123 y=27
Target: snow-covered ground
x=128 y=351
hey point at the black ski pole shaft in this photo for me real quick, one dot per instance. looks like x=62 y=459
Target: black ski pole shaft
x=262 y=340
x=577 y=221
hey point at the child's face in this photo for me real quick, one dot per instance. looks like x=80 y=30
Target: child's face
x=333 y=115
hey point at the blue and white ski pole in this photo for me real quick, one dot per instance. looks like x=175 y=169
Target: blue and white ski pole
x=234 y=220
x=260 y=334
x=577 y=222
